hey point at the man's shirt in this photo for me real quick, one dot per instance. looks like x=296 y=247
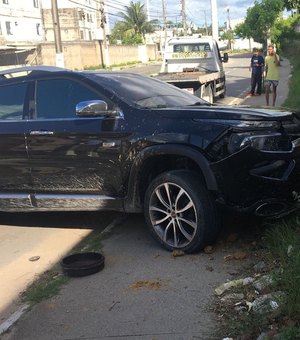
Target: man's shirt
x=257 y=63
x=273 y=69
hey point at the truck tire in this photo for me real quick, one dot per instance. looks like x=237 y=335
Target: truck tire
x=180 y=212
x=207 y=94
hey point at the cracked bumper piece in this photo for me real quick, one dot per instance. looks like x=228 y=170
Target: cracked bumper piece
x=260 y=182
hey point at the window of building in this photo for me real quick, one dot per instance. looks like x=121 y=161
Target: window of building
x=12 y=101
x=38 y=29
x=81 y=35
x=0 y=29
x=90 y=35
x=36 y=3
x=89 y=17
x=81 y=15
x=8 y=28
x=5 y=2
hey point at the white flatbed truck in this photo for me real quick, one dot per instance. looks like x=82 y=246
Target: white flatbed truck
x=195 y=65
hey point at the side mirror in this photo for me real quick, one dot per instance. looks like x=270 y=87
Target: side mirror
x=225 y=57
x=92 y=108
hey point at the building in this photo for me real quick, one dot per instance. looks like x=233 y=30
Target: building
x=20 y=22
x=30 y=21
x=79 y=20
x=27 y=35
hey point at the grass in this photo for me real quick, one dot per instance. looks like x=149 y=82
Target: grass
x=100 y=67
x=283 y=245
x=279 y=247
x=49 y=283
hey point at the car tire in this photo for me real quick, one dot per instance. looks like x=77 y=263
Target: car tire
x=180 y=212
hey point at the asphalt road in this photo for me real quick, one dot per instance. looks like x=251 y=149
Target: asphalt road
x=237 y=77
x=51 y=236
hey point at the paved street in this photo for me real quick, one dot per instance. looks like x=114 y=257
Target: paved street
x=237 y=77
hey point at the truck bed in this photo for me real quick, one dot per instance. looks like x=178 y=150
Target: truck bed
x=199 y=76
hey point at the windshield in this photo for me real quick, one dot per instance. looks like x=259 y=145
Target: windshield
x=146 y=92
x=199 y=47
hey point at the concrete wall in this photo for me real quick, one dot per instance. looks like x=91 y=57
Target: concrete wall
x=87 y=54
x=76 y=56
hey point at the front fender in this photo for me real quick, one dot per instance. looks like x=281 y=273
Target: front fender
x=134 y=199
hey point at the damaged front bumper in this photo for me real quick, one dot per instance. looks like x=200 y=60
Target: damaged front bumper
x=266 y=183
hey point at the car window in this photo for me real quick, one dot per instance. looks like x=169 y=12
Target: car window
x=57 y=98
x=199 y=47
x=12 y=101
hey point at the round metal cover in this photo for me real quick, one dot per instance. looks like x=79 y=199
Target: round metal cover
x=82 y=264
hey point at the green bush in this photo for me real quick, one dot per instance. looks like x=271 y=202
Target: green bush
x=283 y=245
x=293 y=100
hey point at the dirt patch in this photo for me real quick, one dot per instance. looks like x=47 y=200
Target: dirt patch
x=148 y=284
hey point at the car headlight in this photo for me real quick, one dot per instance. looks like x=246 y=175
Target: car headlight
x=263 y=142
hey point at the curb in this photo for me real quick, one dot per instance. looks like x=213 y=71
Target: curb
x=13 y=318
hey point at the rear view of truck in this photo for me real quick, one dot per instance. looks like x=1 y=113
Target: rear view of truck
x=195 y=65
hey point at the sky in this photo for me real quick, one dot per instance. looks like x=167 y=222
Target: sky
x=196 y=10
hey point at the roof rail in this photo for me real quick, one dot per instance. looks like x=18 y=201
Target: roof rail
x=29 y=69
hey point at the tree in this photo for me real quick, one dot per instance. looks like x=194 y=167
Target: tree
x=292 y=4
x=134 y=26
x=259 y=20
x=284 y=32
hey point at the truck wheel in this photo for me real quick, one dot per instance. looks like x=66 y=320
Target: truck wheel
x=180 y=212
x=207 y=94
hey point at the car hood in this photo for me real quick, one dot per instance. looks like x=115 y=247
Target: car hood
x=227 y=113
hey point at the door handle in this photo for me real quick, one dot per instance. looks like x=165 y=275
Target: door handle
x=41 y=133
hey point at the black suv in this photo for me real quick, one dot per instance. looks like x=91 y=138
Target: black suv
x=73 y=140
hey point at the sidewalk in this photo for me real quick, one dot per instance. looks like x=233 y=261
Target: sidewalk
x=143 y=293
x=282 y=90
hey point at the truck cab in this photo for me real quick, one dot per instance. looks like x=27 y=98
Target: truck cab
x=194 y=54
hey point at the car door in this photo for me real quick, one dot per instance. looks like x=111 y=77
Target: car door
x=14 y=163
x=71 y=155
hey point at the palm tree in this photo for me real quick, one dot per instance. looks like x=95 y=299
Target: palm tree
x=135 y=20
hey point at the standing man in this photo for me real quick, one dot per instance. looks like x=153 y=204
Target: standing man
x=256 y=66
x=272 y=73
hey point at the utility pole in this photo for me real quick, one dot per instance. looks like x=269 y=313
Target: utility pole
x=165 y=21
x=183 y=13
x=57 y=37
x=148 y=11
x=229 y=29
x=214 y=19
x=163 y=46
x=205 y=22
x=103 y=25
